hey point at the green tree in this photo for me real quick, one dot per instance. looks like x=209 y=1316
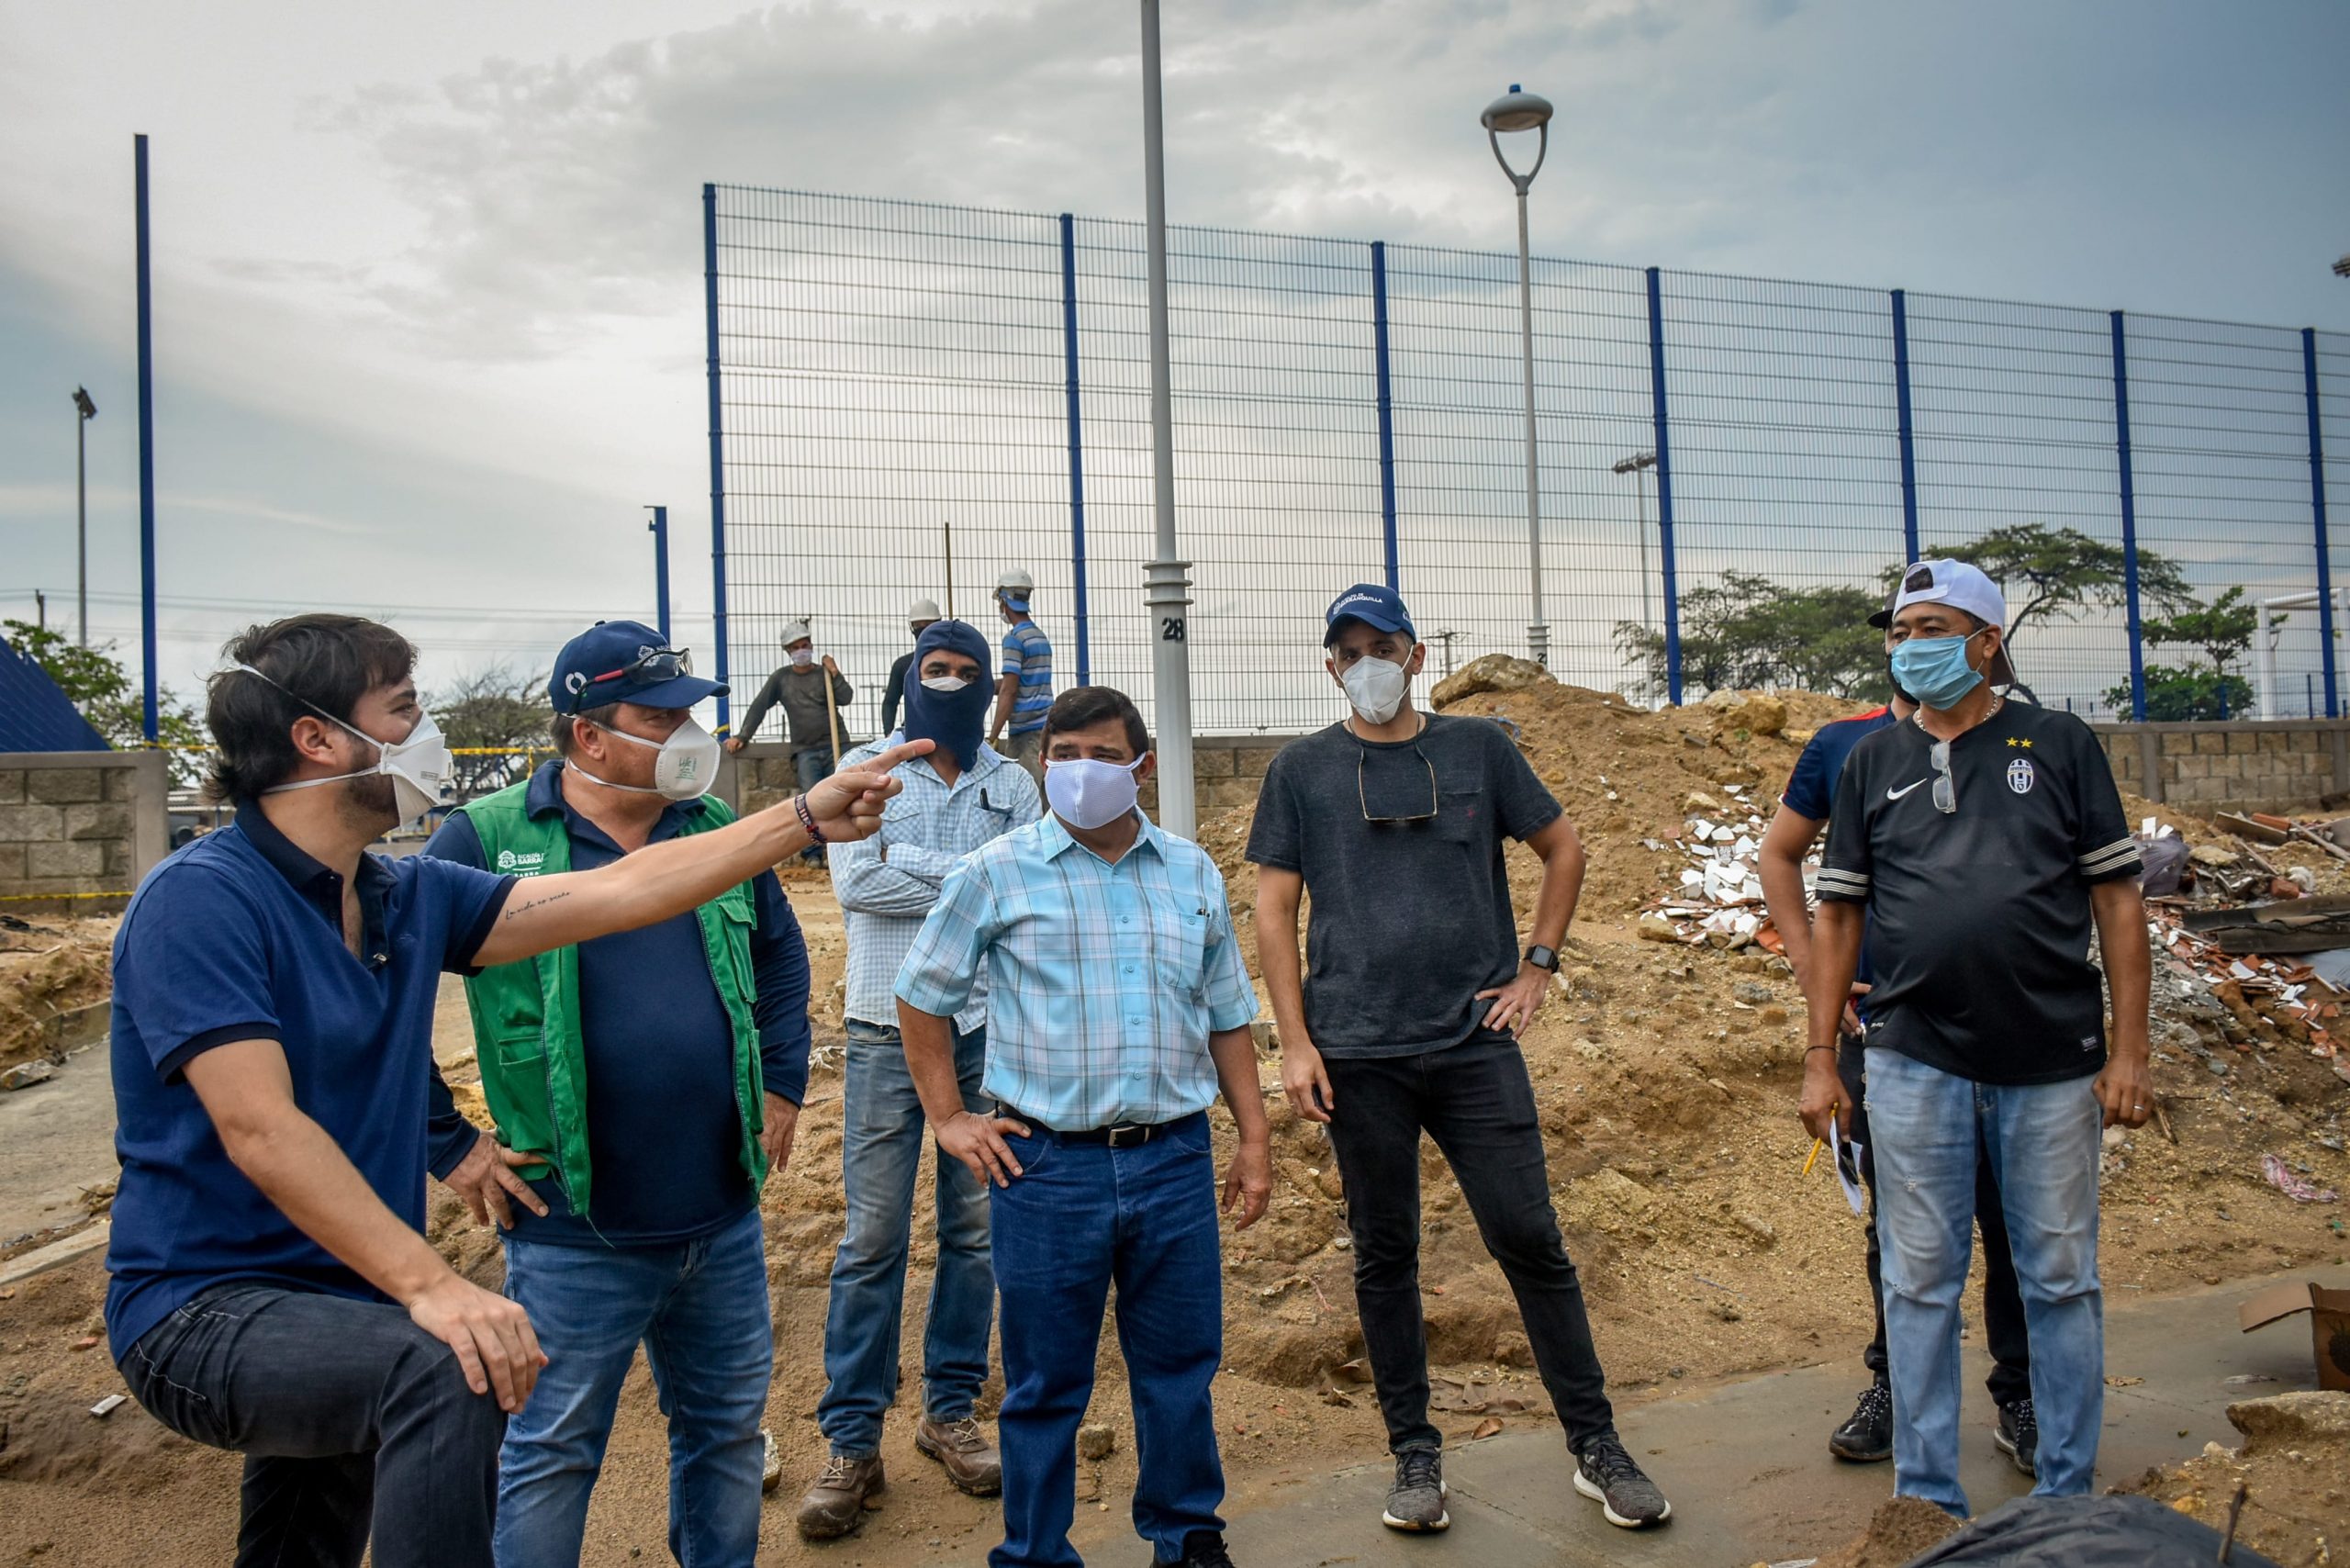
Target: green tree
x=102 y=690
x=2059 y=573
x=2173 y=695
x=1747 y=631
x=496 y=708
x=2220 y=629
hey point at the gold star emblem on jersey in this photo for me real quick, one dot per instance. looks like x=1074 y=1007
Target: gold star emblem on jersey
x=2017 y=740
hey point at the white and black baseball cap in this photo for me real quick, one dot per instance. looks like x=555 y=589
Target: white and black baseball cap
x=1961 y=586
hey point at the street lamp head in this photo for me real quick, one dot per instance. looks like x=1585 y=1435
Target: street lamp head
x=1518 y=109
x=1636 y=462
x=2341 y=267
x=81 y=404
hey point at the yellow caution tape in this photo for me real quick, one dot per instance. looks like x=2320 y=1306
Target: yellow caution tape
x=44 y=897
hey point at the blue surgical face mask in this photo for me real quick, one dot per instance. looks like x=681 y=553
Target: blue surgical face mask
x=1934 y=669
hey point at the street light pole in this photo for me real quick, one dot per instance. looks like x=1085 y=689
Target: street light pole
x=1520 y=110
x=1168 y=591
x=1638 y=466
x=85 y=412
x=660 y=529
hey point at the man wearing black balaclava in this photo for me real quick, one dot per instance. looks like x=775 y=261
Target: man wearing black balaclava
x=957 y=798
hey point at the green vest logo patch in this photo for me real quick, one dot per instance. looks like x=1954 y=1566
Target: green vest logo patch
x=521 y=865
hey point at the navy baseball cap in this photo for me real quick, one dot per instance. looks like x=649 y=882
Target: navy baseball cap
x=1379 y=608
x=624 y=661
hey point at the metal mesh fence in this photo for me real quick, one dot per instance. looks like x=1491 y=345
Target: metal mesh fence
x=911 y=399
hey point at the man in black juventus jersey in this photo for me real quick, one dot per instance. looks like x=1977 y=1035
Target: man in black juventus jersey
x=1983 y=840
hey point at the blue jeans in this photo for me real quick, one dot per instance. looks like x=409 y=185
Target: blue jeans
x=700 y=1310
x=2043 y=1142
x=1082 y=1217
x=880 y=1152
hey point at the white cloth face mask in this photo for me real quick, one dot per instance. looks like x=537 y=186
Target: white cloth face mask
x=1089 y=794
x=802 y=657
x=944 y=683
x=684 y=770
x=418 y=766
x=1376 y=688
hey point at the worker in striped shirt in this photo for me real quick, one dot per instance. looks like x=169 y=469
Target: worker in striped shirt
x=1118 y=1007
x=1025 y=692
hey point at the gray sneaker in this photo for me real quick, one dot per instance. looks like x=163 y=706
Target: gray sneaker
x=1416 y=1500
x=1606 y=1473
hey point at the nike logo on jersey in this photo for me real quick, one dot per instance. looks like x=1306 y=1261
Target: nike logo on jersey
x=1897 y=794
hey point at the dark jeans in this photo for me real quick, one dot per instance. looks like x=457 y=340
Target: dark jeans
x=1476 y=1102
x=1084 y=1217
x=2003 y=1323
x=345 y=1412
x=812 y=764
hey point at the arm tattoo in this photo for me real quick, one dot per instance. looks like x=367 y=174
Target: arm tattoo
x=528 y=904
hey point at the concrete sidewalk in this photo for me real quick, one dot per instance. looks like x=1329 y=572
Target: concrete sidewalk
x=1746 y=1462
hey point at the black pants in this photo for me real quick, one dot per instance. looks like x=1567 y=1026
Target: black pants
x=1476 y=1102
x=346 y=1412
x=2003 y=1324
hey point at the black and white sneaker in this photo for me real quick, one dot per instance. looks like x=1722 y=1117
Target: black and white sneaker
x=1866 y=1436
x=1606 y=1473
x=2018 y=1435
x=1416 y=1500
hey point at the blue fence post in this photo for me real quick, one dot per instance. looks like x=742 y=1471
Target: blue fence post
x=716 y=443
x=146 y=452
x=2129 y=521
x=1076 y=446
x=2317 y=508
x=1901 y=403
x=659 y=528
x=1386 y=410
x=1664 y=493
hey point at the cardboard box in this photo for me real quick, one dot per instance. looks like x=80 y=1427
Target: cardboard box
x=2329 y=1325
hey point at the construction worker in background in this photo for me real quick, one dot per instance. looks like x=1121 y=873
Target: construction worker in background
x=1025 y=694
x=918 y=620
x=811 y=713
x=651 y=1109
x=964 y=795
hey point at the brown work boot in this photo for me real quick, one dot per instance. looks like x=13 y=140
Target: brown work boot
x=842 y=1494
x=971 y=1461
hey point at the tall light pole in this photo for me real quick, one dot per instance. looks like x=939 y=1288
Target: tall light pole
x=1638 y=466
x=660 y=529
x=84 y=412
x=1168 y=591
x=1518 y=109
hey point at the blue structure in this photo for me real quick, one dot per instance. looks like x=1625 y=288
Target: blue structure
x=34 y=715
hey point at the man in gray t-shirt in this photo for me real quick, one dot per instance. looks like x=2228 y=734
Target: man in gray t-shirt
x=1406 y=1021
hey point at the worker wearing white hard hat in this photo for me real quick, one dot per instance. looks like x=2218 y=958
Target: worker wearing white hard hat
x=814 y=696
x=924 y=613
x=1025 y=692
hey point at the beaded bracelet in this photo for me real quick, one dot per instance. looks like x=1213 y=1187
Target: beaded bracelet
x=808 y=819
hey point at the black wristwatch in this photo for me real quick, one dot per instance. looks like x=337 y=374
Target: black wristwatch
x=1543 y=958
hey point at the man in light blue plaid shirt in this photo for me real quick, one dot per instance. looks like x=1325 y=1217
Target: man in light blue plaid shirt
x=1118 y=1008
x=957 y=798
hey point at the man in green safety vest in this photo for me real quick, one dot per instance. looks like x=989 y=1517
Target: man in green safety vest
x=643 y=1084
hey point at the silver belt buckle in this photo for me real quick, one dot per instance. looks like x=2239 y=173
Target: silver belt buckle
x=1127 y=1134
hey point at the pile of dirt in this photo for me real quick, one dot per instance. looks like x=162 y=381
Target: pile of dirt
x=49 y=969
x=1901 y=1528
x=2294 y=1469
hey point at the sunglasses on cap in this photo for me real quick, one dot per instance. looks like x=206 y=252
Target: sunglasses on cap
x=653 y=665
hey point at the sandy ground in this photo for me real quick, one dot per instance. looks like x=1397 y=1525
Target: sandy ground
x=1666 y=1077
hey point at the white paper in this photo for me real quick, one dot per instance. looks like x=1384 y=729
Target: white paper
x=1850 y=1189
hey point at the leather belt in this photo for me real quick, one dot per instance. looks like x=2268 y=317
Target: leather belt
x=1118 y=1135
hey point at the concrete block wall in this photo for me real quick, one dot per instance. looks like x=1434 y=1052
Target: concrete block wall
x=81 y=821
x=2232 y=766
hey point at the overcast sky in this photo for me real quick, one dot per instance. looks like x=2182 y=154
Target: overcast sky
x=428 y=283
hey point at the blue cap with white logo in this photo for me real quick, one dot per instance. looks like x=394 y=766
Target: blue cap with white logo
x=624 y=661
x=1382 y=609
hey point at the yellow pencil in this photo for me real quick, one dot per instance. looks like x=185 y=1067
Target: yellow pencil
x=1817 y=1144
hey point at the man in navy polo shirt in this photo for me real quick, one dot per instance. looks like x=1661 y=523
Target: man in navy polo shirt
x=651 y=1086
x=1866 y=1436
x=272 y=1291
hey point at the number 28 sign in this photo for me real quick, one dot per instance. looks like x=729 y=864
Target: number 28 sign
x=1170 y=627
